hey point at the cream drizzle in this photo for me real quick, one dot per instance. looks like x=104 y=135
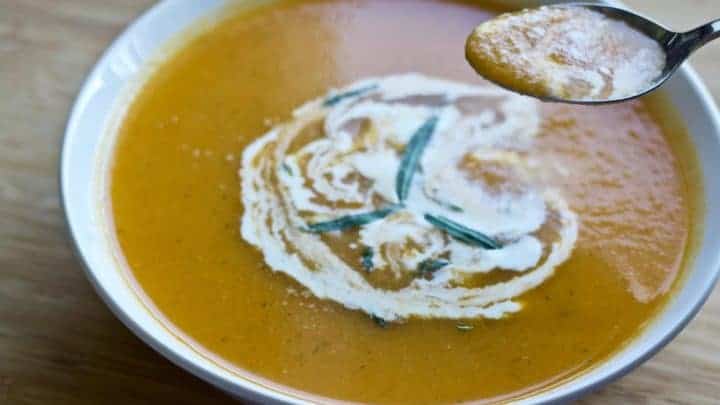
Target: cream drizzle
x=350 y=168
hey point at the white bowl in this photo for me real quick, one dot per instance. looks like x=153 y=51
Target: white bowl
x=85 y=152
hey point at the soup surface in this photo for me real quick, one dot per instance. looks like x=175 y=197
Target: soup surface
x=176 y=204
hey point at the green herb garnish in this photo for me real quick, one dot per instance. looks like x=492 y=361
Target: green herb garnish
x=464 y=327
x=430 y=266
x=367 y=258
x=411 y=157
x=445 y=204
x=462 y=233
x=351 y=221
x=379 y=321
x=286 y=168
x=333 y=100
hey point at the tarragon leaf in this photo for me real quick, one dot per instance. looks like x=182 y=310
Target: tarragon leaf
x=367 y=259
x=411 y=157
x=462 y=233
x=452 y=207
x=430 y=266
x=333 y=100
x=351 y=221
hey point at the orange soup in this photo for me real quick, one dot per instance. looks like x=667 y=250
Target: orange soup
x=537 y=239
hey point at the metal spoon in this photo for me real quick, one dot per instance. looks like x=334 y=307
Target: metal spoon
x=678 y=46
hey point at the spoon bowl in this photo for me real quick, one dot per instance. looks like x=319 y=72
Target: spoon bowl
x=676 y=47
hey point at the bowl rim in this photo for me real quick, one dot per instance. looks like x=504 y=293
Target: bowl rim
x=251 y=390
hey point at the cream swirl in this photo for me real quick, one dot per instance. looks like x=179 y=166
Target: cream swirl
x=340 y=157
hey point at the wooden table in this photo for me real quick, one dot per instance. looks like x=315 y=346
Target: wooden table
x=60 y=344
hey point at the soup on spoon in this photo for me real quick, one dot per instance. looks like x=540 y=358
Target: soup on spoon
x=565 y=53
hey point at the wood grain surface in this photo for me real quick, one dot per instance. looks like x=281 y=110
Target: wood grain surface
x=59 y=344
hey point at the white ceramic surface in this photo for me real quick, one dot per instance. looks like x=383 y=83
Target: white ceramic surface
x=85 y=152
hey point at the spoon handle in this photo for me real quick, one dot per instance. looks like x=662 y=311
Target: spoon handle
x=681 y=45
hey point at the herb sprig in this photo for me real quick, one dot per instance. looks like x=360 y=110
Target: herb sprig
x=337 y=98
x=367 y=259
x=351 y=221
x=462 y=232
x=430 y=266
x=452 y=207
x=411 y=157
